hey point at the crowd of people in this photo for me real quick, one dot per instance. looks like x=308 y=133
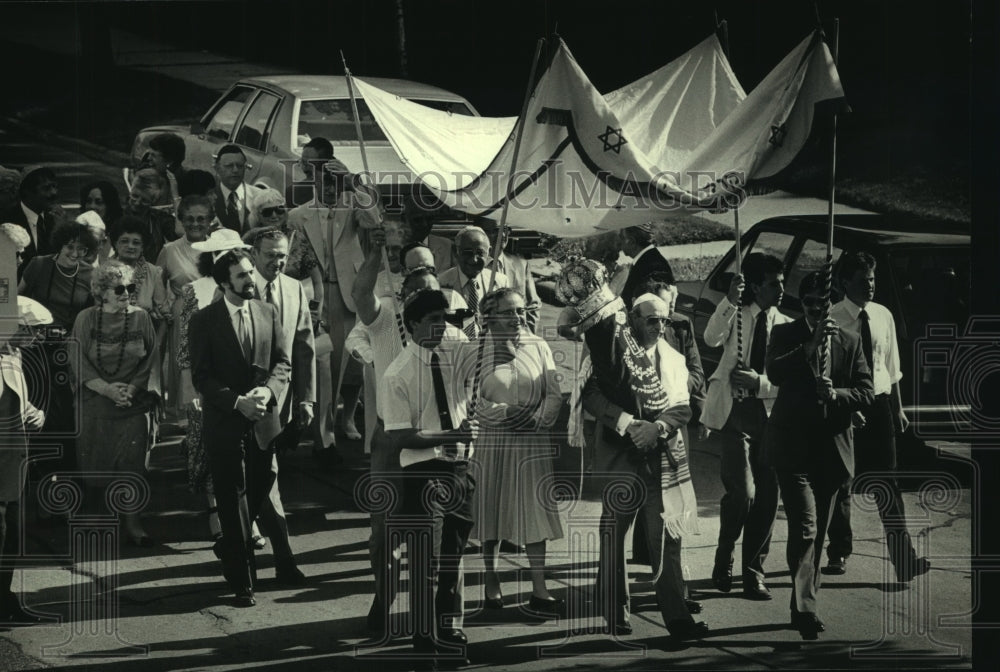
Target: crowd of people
x=248 y=316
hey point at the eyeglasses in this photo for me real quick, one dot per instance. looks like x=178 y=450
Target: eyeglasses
x=271 y=212
x=121 y=289
x=191 y=219
x=658 y=321
x=519 y=312
x=813 y=301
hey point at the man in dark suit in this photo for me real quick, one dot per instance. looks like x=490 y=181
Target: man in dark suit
x=808 y=440
x=38 y=211
x=241 y=366
x=638 y=392
x=235 y=200
x=648 y=261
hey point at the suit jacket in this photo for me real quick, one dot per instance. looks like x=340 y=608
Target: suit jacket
x=221 y=374
x=336 y=227
x=454 y=279
x=680 y=336
x=721 y=329
x=798 y=438
x=13 y=443
x=15 y=215
x=297 y=333
x=249 y=209
x=608 y=393
x=649 y=262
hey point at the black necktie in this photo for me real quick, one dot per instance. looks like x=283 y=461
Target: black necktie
x=401 y=327
x=758 y=348
x=472 y=298
x=269 y=293
x=232 y=211
x=866 y=337
x=444 y=415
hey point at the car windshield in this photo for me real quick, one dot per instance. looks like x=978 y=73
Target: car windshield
x=333 y=119
x=933 y=285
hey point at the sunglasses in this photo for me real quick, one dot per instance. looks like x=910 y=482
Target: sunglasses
x=271 y=212
x=812 y=301
x=121 y=289
x=662 y=321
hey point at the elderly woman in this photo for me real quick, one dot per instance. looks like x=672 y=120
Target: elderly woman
x=150 y=288
x=179 y=261
x=520 y=401
x=117 y=352
x=147 y=186
x=19 y=236
x=302 y=262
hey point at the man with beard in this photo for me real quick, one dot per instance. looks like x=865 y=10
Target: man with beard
x=808 y=440
x=241 y=367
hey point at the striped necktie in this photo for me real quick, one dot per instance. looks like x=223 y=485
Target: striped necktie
x=472 y=299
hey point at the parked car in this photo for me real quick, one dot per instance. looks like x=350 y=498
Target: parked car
x=272 y=118
x=922 y=276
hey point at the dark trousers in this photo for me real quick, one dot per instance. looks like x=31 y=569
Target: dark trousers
x=645 y=507
x=874 y=451
x=383 y=548
x=437 y=512
x=243 y=478
x=808 y=500
x=750 y=503
x=10 y=548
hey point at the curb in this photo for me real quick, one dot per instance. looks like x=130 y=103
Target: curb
x=88 y=149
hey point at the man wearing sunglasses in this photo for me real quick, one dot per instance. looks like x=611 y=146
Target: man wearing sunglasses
x=738 y=401
x=822 y=379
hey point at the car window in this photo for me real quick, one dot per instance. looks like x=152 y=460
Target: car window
x=452 y=106
x=221 y=124
x=333 y=119
x=811 y=258
x=933 y=285
x=254 y=126
x=769 y=242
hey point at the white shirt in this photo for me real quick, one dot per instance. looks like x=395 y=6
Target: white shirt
x=234 y=318
x=885 y=352
x=241 y=200
x=408 y=400
x=261 y=283
x=32 y=218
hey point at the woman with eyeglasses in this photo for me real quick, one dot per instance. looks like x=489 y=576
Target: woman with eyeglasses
x=302 y=262
x=117 y=353
x=519 y=404
x=179 y=261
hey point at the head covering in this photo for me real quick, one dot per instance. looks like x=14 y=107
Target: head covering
x=32 y=313
x=219 y=242
x=644 y=298
x=91 y=219
x=583 y=284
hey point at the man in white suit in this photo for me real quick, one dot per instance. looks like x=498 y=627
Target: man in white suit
x=470 y=278
x=270 y=254
x=737 y=404
x=332 y=228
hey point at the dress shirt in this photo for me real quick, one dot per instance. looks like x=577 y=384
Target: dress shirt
x=407 y=392
x=234 y=318
x=242 y=209
x=32 y=218
x=885 y=352
x=261 y=282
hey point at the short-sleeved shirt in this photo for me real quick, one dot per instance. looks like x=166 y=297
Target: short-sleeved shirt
x=408 y=400
x=885 y=353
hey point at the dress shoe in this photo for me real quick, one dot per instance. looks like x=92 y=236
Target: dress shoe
x=754 y=588
x=808 y=625
x=217 y=548
x=722 y=577
x=911 y=569
x=693 y=607
x=546 y=608
x=244 y=598
x=836 y=566
x=684 y=630
x=289 y=575
x=453 y=636
x=494 y=602
x=620 y=625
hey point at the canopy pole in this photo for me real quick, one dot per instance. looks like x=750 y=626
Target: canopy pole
x=374 y=189
x=498 y=244
x=828 y=266
x=739 y=301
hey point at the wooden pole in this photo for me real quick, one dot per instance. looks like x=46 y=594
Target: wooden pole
x=828 y=266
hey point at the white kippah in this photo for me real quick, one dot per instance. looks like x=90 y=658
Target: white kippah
x=643 y=298
x=91 y=219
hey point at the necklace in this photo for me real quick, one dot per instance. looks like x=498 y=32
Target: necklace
x=121 y=347
x=67 y=275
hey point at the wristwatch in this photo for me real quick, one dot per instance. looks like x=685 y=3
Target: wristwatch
x=664 y=428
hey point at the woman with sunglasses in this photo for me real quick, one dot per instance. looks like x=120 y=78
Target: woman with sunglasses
x=520 y=401
x=117 y=354
x=302 y=262
x=179 y=261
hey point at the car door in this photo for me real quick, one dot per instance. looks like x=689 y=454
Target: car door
x=218 y=126
x=253 y=131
